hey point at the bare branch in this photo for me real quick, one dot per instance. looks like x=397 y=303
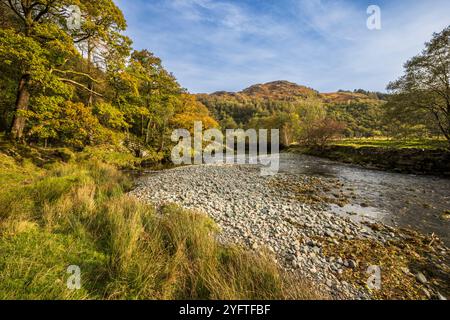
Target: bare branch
x=15 y=10
x=77 y=73
x=82 y=86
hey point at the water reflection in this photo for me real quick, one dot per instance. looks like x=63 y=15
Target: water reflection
x=395 y=199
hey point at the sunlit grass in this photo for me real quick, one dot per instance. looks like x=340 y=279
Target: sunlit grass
x=79 y=214
x=394 y=144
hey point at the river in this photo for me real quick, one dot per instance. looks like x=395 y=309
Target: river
x=307 y=216
x=400 y=200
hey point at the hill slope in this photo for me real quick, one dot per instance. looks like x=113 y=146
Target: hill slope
x=280 y=90
x=360 y=110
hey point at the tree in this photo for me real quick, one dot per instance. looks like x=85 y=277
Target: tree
x=188 y=111
x=148 y=71
x=425 y=86
x=286 y=122
x=25 y=59
x=227 y=122
x=100 y=40
x=321 y=131
x=41 y=23
x=82 y=86
x=109 y=116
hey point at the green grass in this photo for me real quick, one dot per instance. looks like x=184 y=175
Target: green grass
x=115 y=157
x=394 y=144
x=78 y=213
x=34 y=265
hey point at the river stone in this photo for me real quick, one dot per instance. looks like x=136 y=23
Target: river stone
x=421 y=278
x=329 y=233
x=441 y=297
x=250 y=211
x=352 y=264
x=405 y=270
x=426 y=292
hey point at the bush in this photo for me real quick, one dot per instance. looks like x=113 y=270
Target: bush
x=322 y=132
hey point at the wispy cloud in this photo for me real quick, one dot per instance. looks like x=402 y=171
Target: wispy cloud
x=229 y=44
x=225 y=14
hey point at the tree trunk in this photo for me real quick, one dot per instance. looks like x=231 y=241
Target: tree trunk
x=147 y=136
x=448 y=122
x=23 y=98
x=91 y=84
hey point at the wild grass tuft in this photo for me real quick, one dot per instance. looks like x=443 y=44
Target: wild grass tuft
x=78 y=213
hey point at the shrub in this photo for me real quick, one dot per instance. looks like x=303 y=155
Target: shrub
x=321 y=132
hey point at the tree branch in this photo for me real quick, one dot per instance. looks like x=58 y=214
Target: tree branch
x=42 y=13
x=82 y=86
x=441 y=126
x=77 y=73
x=15 y=10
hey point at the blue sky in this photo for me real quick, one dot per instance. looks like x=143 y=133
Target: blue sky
x=213 y=45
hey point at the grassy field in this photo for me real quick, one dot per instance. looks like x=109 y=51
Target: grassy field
x=78 y=213
x=394 y=144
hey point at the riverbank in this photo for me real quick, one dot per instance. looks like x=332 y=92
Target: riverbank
x=198 y=232
x=286 y=217
x=77 y=213
x=404 y=160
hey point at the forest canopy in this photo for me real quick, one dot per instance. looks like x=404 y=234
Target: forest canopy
x=77 y=85
x=84 y=86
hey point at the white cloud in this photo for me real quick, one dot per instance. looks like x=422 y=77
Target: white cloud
x=230 y=16
x=215 y=45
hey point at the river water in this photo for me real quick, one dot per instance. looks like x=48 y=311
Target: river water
x=400 y=200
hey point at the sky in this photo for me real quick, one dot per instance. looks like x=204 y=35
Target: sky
x=228 y=45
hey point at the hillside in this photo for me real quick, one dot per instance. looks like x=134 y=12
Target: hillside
x=346 y=97
x=360 y=110
x=280 y=90
x=283 y=90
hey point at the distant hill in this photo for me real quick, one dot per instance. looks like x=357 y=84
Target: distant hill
x=358 y=108
x=288 y=91
x=280 y=90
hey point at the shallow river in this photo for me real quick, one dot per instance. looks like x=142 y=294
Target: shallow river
x=402 y=200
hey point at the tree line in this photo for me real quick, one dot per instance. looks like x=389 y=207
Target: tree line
x=61 y=85
x=82 y=86
x=415 y=106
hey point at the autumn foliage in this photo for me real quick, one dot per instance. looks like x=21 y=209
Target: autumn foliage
x=87 y=86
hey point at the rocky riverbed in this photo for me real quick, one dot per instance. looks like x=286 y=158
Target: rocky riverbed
x=288 y=216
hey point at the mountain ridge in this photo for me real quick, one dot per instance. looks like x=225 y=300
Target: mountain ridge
x=283 y=90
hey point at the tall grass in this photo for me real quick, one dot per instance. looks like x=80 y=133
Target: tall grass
x=79 y=214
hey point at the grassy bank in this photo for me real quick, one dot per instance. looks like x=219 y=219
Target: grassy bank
x=428 y=144
x=78 y=213
x=417 y=157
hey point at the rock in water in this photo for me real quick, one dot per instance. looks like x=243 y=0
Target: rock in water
x=441 y=297
x=352 y=264
x=427 y=293
x=421 y=277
